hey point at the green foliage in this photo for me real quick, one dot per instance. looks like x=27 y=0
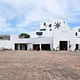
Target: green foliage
x=24 y=35
x=58 y=47
x=70 y=46
x=75 y=49
x=3 y=48
x=53 y=49
x=30 y=49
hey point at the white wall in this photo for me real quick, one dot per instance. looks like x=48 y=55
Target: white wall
x=30 y=41
x=68 y=35
x=5 y=44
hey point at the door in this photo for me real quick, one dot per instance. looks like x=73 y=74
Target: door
x=20 y=46
x=63 y=45
x=23 y=46
x=16 y=46
x=77 y=46
x=45 y=46
x=36 y=47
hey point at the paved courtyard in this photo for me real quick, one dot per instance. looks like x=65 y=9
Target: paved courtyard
x=39 y=65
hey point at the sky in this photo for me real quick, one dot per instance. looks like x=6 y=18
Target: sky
x=17 y=16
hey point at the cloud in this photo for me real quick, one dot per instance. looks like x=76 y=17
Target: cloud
x=16 y=15
x=3 y=23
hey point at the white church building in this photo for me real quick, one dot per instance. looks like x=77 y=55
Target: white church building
x=55 y=34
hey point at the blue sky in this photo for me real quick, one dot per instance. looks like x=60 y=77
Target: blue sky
x=18 y=16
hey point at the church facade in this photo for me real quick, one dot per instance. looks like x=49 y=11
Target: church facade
x=54 y=34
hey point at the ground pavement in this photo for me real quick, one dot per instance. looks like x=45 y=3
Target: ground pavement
x=39 y=65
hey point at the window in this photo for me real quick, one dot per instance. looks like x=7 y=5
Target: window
x=50 y=25
x=39 y=33
x=64 y=21
x=76 y=33
x=42 y=30
x=50 y=29
x=44 y=24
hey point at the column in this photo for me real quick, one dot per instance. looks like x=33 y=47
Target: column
x=18 y=46
x=79 y=46
x=40 y=47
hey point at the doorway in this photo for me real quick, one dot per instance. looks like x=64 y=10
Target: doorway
x=77 y=46
x=16 y=46
x=23 y=47
x=63 y=45
x=36 y=47
x=20 y=46
x=45 y=46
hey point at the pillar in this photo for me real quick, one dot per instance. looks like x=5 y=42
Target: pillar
x=40 y=47
x=18 y=46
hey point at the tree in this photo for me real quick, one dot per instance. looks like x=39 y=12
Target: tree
x=24 y=35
